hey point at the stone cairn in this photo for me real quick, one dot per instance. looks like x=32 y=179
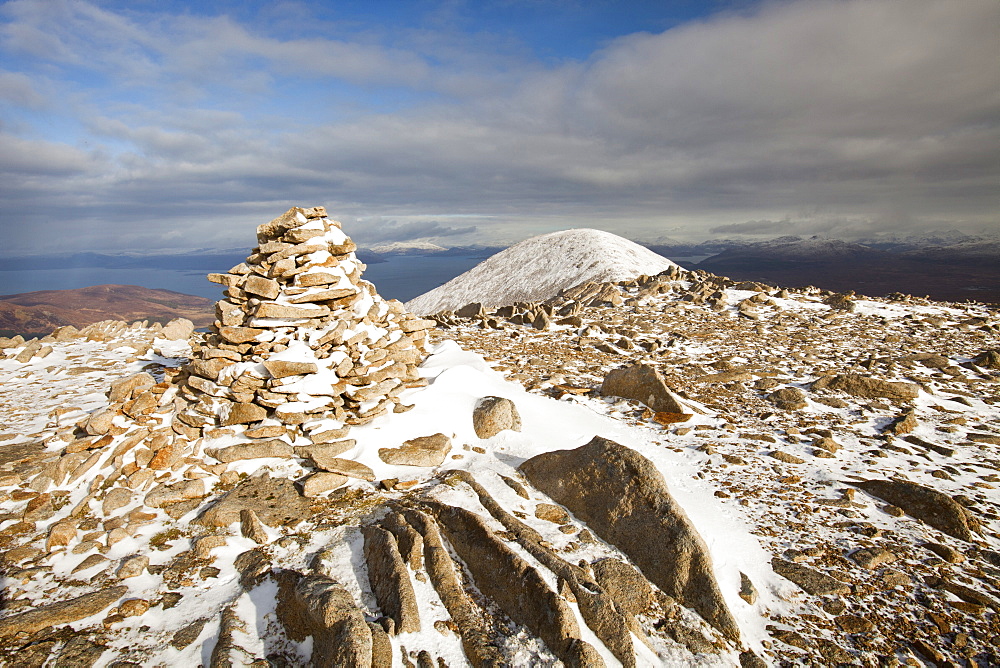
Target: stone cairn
x=300 y=339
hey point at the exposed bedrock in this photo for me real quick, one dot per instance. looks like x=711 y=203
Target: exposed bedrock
x=624 y=499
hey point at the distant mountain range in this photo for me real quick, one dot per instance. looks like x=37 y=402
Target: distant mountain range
x=969 y=269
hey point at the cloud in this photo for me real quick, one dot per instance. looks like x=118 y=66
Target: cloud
x=755 y=227
x=381 y=232
x=18 y=89
x=192 y=125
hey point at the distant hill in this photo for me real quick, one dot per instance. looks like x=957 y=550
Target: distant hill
x=43 y=311
x=407 y=248
x=539 y=267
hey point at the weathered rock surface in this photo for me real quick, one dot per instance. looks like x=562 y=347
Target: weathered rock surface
x=275 y=501
x=788 y=398
x=389 y=579
x=811 y=580
x=63 y=612
x=868 y=388
x=322 y=482
x=928 y=505
x=493 y=415
x=494 y=566
x=642 y=383
x=323 y=609
x=624 y=499
x=422 y=451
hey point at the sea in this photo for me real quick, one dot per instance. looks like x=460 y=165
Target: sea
x=401 y=277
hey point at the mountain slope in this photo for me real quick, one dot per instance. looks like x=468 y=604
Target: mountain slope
x=47 y=309
x=538 y=268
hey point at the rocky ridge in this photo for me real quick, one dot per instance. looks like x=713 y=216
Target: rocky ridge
x=216 y=487
x=829 y=496
x=856 y=435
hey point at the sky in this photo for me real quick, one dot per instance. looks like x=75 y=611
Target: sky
x=170 y=125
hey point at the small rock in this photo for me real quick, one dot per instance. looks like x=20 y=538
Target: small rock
x=551 y=513
x=63 y=612
x=92 y=561
x=951 y=555
x=203 y=546
x=282 y=369
x=164 y=494
x=788 y=399
x=257 y=450
x=748 y=592
x=904 y=424
x=178 y=329
x=642 y=383
x=348 y=467
x=493 y=415
x=251 y=527
x=188 y=634
x=828 y=444
x=244 y=414
x=786 y=457
x=116 y=498
x=60 y=534
x=890 y=577
x=931 y=506
x=133 y=607
x=867 y=388
x=133 y=566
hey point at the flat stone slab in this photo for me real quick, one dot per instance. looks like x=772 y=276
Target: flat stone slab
x=259 y=450
x=348 y=467
x=423 y=451
x=62 y=612
x=928 y=505
x=810 y=580
x=275 y=500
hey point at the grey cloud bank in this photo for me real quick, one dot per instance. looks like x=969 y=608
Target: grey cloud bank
x=153 y=131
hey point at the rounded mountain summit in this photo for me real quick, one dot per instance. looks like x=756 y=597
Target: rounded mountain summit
x=538 y=268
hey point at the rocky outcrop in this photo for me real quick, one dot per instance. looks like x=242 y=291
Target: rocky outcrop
x=868 y=388
x=275 y=501
x=389 y=580
x=63 y=612
x=494 y=566
x=642 y=383
x=928 y=505
x=624 y=499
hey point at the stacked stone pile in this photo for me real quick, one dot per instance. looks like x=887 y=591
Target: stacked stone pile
x=300 y=338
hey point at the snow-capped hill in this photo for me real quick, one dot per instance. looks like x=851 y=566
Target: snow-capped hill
x=538 y=268
x=407 y=248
